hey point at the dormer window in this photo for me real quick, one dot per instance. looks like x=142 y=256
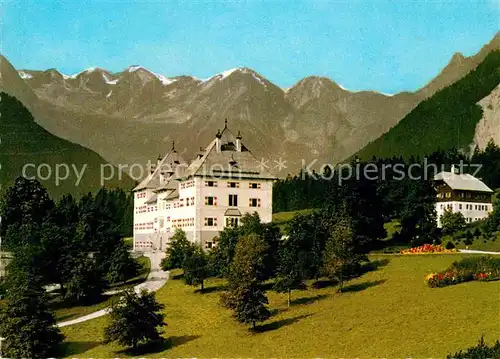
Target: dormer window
x=230 y=146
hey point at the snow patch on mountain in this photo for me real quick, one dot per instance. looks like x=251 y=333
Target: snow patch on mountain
x=221 y=75
x=163 y=79
x=227 y=73
x=25 y=75
x=258 y=78
x=108 y=80
x=74 y=76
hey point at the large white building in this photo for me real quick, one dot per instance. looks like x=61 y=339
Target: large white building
x=464 y=193
x=213 y=191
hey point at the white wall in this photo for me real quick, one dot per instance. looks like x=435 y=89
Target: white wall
x=144 y=216
x=195 y=229
x=470 y=210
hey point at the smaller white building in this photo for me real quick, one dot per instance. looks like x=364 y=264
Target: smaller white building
x=464 y=193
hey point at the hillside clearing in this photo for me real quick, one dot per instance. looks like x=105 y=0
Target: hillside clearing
x=391 y=308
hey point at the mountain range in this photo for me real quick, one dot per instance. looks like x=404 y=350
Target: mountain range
x=134 y=115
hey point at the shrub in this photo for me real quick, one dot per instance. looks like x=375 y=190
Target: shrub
x=477 y=233
x=467 y=269
x=468 y=241
x=450 y=245
x=480 y=351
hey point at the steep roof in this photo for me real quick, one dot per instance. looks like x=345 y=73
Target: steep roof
x=170 y=166
x=152 y=199
x=462 y=181
x=226 y=161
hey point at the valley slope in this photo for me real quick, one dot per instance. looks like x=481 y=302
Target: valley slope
x=24 y=142
x=457 y=116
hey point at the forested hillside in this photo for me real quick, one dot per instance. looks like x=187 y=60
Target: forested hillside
x=446 y=120
x=24 y=142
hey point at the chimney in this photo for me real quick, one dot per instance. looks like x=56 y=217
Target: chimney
x=217 y=141
x=158 y=160
x=453 y=169
x=238 y=142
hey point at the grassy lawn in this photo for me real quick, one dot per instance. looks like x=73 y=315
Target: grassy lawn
x=65 y=312
x=390 y=312
x=282 y=218
x=478 y=244
x=286 y=216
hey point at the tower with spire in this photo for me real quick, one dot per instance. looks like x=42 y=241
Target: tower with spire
x=201 y=197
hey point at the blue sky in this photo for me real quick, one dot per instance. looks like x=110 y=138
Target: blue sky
x=388 y=46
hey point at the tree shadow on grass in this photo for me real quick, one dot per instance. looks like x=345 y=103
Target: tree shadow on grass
x=323 y=283
x=216 y=288
x=362 y=286
x=158 y=345
x=177 y=276
x=176 y=341
x=276 y=311
x=374 y=265
x=76 y=348
x=308 y=300
x=279 y=323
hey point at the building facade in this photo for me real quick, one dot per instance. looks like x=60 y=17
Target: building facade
x=462 y=193
x=202 y=197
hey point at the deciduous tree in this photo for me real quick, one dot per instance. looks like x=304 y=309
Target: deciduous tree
x=178 y=249
x=135 y=319
x=196 y=267
x=245 y=296
x=452 y=222
x=341 y=256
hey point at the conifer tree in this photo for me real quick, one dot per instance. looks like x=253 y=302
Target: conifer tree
x=26 y=324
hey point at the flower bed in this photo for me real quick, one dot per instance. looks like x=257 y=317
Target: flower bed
x=427 y=248
x=468 y=269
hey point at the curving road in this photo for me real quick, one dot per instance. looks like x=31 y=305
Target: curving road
x=156 y=279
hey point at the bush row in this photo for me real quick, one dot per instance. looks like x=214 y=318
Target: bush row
x=485 y=268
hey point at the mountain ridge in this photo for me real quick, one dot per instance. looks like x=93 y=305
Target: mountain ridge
x=462 y=114
x=135 y=116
